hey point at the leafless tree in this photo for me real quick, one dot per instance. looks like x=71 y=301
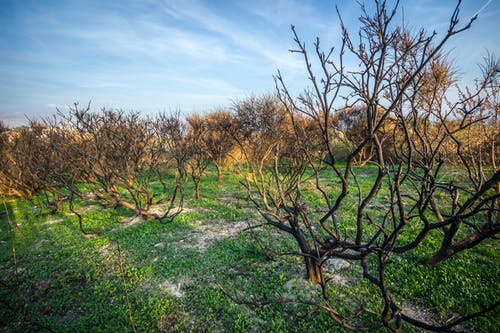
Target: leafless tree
x=400 y=84
x=119 y=156
x=171 y=130
x=8 y=183
x=29 y=165
x=258 y=126
x=18 y=160
x=219 y=143
x=197 y=152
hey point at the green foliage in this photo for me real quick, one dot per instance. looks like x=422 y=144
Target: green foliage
x=67 y=281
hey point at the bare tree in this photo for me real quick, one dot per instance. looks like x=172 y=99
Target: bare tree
x=19 y=164
x=480 y=150
x=171 y=130
x=28 y=164
x=258 y=127
x=197 y=152
x=219 y=143
x=400 y=84
x=119 y=156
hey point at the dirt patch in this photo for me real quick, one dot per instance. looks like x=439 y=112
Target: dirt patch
x=232 y=200
x=51 y=222
x=207 y=233
x=20 y=270
x=104 y=251
x=159 y=210
x=432 y=316
x=173 y=288
x=130 y=221
x=300 y=288
x=86 y=209
x=195 y=210
x=340 y=280
x=427 y=315
x=170 y=286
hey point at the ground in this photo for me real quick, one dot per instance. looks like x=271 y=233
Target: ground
x=55 y=278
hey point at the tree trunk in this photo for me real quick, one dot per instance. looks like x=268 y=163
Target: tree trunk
x=197 y=190
x=314 y=272
x=144 y=213
x=219 y=174
x=439 y=257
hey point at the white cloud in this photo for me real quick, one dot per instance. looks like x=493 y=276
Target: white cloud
x=135 y=38
x=252 y=41
x=284 y=12
x=209 y=85
x=165 y=39
x=54 y=106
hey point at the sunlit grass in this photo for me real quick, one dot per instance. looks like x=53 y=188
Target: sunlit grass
x=68 y=281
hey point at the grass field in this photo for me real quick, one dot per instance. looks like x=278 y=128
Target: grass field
x=166 y=276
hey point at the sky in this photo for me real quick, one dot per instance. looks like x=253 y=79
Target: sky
x=193 y=55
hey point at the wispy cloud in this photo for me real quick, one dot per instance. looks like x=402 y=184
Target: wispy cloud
x=56 y=106
x=284 y=12
x=140 y=39
x=248 y=39
x=151 y=55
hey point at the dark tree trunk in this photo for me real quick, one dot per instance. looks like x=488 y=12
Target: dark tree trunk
x=314 y=272
x=197 y=190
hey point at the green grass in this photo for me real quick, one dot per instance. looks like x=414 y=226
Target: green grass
x=69 y=282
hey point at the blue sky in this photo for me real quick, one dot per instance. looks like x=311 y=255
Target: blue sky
x=154 y=55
